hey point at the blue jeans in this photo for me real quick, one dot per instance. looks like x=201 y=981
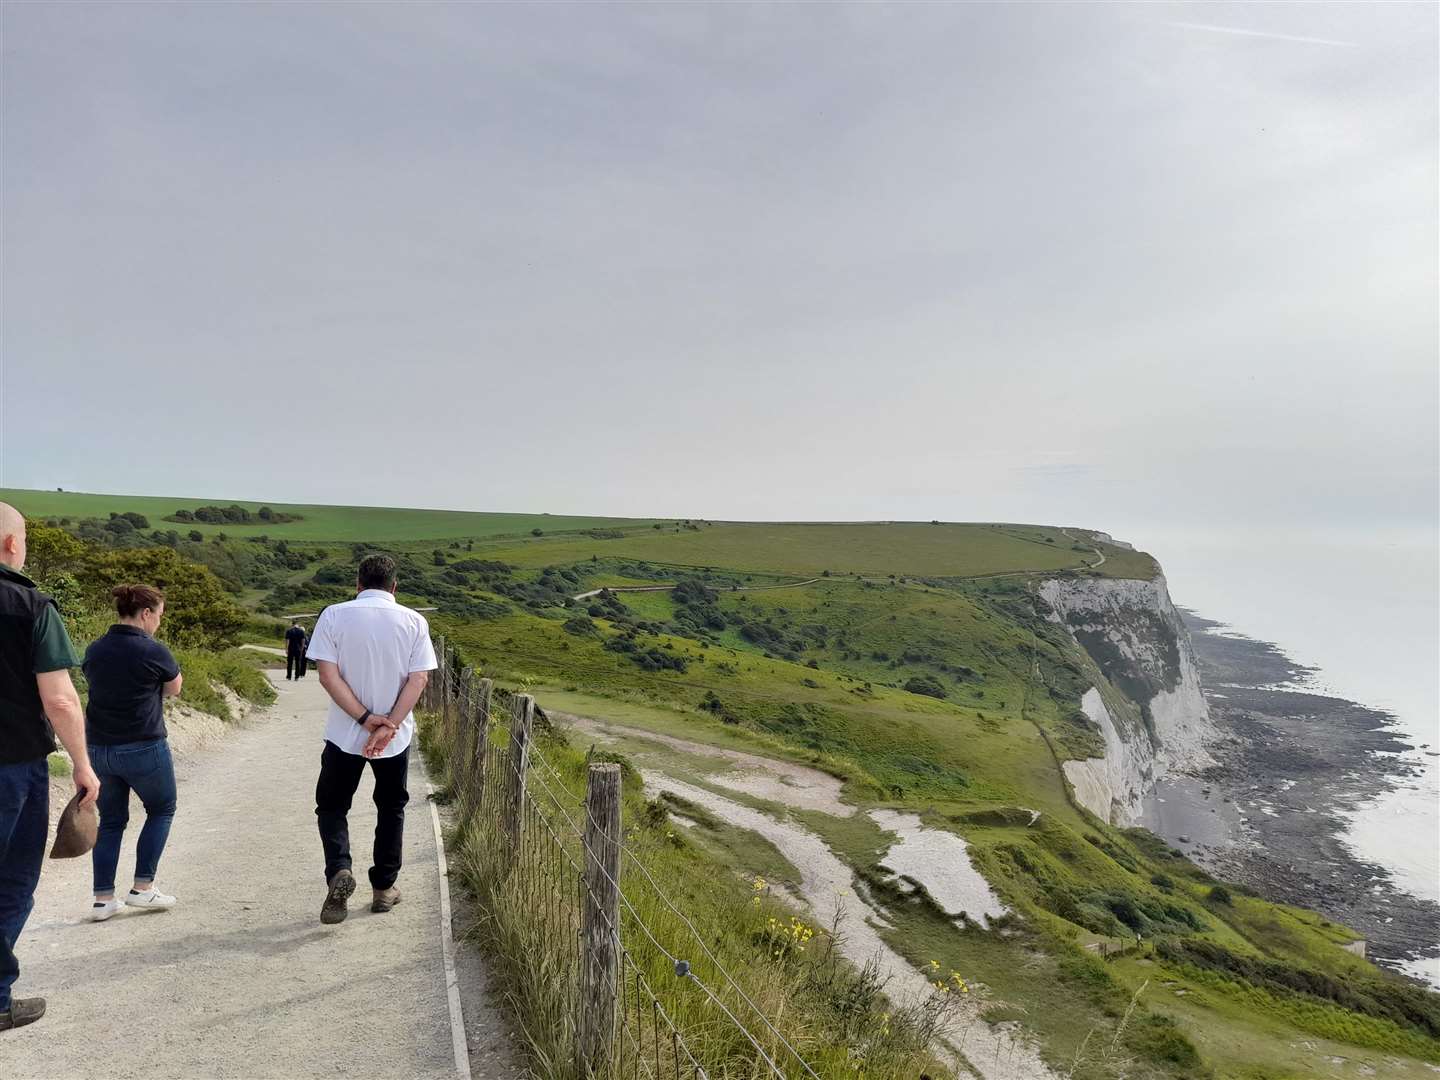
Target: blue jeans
x=148 y=770
x=24 y=824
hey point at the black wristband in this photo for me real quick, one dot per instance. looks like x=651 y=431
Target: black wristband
x=363 y=717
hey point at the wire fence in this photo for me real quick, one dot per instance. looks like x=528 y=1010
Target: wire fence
x=610 y=976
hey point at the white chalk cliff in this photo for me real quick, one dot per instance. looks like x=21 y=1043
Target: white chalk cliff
x=1135 y=637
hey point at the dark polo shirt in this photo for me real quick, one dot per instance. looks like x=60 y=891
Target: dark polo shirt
x=127 y=670
x=32 y=641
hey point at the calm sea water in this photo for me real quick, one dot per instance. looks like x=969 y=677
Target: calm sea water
x=1360 y=608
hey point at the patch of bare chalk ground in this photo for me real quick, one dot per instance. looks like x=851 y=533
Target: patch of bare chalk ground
x=240 y=979
x=994 y=1052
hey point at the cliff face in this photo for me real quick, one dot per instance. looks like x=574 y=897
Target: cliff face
x=1159 y=720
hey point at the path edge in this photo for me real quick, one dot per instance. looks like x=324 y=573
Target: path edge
x=447 y=944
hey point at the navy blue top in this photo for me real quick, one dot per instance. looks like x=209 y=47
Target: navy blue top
x=295 y=641
x=127 y=670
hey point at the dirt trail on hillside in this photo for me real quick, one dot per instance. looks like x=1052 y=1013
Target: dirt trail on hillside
x=1099 y=555
x=669 y=587
x=240 y=979
x=766 y=778
x=998 y=1052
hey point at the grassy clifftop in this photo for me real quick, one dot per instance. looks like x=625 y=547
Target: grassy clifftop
x=808 y=549
x=336 y=523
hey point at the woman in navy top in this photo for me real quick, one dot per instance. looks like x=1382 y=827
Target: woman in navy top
x=130 y=676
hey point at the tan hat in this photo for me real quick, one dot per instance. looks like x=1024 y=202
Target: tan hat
x=75 y=834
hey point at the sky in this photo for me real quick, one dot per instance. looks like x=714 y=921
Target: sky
x=1122 y=266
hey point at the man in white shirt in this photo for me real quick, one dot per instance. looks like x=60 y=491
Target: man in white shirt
x=374 y=658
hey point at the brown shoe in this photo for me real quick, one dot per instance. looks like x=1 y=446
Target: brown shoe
x=341 y=886
x=385 y=899
x=22 y=1011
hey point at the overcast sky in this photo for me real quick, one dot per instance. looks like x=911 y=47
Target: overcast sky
x=1075 y=263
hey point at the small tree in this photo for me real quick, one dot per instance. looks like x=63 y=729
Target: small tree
x=51 y=551
x=198 y=613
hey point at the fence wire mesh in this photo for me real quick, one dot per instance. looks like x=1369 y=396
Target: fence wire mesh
x=521 y=825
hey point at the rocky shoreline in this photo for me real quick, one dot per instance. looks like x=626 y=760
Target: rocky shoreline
x=1271 y=813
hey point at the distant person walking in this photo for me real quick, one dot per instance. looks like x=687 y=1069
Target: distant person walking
x=295 y=639
x=35 y=658
x=374 y=659
x=130 y=676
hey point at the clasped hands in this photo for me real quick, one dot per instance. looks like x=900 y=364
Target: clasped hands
x=382 y=729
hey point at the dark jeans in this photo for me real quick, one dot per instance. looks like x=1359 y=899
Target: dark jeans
x=339 y=777
x=147 y=769
x=24 y=824
x=295 y=665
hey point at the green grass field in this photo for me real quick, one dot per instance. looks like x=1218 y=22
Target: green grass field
x=366 y=524
x=907 y=548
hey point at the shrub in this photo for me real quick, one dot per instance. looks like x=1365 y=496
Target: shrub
x=927 y=685
x=580 y=626
x=537 y=532
x=198 y=613
x=1218 y=894
x=1159 y=1038
x=51 y=550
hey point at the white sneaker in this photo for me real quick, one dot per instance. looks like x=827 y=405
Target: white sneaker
x=151 y=898
x=103 y=909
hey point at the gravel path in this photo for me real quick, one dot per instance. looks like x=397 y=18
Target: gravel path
x=240 y=979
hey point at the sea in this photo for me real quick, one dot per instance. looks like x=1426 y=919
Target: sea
x=1363 y=610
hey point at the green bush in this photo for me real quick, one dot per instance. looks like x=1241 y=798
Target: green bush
x=580 y=626
x=198 y=613
x=1159 y=1038
x=927 y=685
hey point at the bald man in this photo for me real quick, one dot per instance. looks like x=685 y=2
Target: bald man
x=37 y=702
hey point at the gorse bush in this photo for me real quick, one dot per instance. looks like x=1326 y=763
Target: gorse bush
x=927 y=685
x=198 y=613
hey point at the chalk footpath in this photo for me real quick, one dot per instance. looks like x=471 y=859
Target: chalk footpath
x=240 y=979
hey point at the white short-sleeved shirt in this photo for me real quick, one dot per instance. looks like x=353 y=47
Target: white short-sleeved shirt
x=376 y=643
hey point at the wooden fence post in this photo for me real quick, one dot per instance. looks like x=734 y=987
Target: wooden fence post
x=460 y=767
x=432 y=688
x=522 y=714
x=448 y=688
x=599 y=921
x=482 y=737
